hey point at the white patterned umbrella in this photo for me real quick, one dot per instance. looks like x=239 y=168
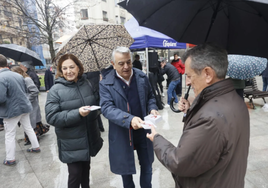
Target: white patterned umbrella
x=93 y=45
x=244 y=67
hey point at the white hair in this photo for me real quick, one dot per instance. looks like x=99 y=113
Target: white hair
x=121 y=50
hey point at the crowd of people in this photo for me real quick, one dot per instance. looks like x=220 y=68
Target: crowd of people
x=211 y=152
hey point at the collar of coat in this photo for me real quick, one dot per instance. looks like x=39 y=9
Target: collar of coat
x=217 y=89
x=110 y=77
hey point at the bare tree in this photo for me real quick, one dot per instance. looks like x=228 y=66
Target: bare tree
x=42 y=17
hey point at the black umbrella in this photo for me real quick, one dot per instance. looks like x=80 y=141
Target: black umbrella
x=239 y=26
x=20 y=53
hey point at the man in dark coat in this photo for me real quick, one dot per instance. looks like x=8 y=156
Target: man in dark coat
x=213 y=148
x=27 y=68
x=126 y=97
x=176 y=62
x=49 y=79
x=136 y=63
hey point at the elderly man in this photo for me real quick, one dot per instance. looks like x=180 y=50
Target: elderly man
x=213 y=149
x=126 y=98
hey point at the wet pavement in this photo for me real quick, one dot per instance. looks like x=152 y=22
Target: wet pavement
x=45 y=170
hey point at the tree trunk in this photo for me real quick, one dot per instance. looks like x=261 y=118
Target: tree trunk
x=51 y=46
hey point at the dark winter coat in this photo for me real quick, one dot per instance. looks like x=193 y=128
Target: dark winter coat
x=213 y=149
x=34 y=77
x=137 y=64
x=114 y=106
x=171 y=72
x=49 y=79
x=76 y=135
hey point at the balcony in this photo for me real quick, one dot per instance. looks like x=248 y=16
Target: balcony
x=105 y=19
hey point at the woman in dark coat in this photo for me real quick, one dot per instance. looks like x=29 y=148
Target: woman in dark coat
x=76 y=126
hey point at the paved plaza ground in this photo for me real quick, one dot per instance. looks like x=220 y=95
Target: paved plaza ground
x=44 y=170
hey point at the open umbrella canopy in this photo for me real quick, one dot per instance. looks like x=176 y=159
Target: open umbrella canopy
x=239 y=26
x=93 y=45
x=20 y=53
x=244 y=67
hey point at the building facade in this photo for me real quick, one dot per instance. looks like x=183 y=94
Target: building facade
x=10 y=26
x=99 y=12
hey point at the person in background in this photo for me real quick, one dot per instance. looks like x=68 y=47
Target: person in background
x=14 y=107
x=213 y=148
x=49 y=79
x=94 y=78
x=68 y=110
x=173 y=76
x=160 y=79
x=126 y=97
x=26 y=67
x=1 y=124
x=176 y=62
x=40 y=127
x=136 y=63
x=265 y=78
x=32 y=94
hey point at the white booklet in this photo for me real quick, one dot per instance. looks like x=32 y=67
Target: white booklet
x=147 y=125
x=92 y=108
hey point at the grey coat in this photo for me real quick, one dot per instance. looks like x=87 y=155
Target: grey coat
x=13 y=99
x=77 y=136
x=32 y=93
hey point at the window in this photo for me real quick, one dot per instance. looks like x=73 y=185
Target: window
x=122 y=19
x=104 y=0
x=84 y=14
x=105 y=16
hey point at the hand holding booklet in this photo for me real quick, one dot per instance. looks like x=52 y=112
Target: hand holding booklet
x=92 y=108
x=151 y=120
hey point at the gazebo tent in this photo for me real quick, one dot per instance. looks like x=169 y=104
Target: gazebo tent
x=148 y=38
x=145 y=38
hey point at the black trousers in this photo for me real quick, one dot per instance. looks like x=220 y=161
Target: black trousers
x=78 y=174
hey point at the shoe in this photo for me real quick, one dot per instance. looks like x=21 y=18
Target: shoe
x=27 y=143
x=101 y=129
x=166 y=106
x=9 y=163
x=162 y=94
x=32 y=150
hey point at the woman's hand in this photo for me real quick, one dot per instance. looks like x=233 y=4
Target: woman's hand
x=83 y=111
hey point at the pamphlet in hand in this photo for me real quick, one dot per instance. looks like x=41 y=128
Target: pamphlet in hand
x=153 y=118
x=147 y=125
x=92 y=108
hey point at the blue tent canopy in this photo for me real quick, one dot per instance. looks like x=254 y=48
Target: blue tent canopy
x=148 y=38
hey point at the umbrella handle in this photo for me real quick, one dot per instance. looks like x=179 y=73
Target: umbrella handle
x=172 y=100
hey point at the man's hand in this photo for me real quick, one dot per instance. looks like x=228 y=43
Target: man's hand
x=154 y=112
x=84 y=112
x=153 y=133
x=136 y=123
x=184 y=105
